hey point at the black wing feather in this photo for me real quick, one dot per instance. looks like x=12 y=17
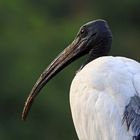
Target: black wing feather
x=132 y=116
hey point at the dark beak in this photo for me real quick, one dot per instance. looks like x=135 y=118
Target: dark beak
x=75 y=50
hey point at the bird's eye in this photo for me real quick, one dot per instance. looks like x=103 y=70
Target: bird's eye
x=83 y=32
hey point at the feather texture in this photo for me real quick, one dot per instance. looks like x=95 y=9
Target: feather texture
x=102 y=95
x=132 y=116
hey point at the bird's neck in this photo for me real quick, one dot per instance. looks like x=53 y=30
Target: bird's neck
x=102 y=48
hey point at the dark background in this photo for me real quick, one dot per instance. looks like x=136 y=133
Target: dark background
x=32 y=33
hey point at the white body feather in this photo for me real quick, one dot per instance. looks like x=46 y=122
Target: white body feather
x=99 y=94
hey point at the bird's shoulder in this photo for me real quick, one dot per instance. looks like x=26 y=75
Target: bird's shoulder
x=115 y=61
x=109 y=70
x=111 y=65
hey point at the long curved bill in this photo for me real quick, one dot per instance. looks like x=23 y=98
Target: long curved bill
x=76 y=49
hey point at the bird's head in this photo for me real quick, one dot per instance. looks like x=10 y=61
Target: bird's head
x=93 y=38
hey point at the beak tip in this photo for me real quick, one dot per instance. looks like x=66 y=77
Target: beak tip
x=26 y=108
x=24 y=114
x=23 y=118
x=28 y=103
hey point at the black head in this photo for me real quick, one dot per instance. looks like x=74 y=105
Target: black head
x=99 y=38
x=94 y=38
x=97 y=28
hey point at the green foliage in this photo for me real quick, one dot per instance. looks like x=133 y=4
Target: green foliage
x=32 y=33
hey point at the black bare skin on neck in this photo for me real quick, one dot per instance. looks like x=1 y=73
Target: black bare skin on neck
x=102 y=48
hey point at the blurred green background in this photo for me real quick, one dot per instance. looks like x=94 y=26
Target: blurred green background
x=32 y=33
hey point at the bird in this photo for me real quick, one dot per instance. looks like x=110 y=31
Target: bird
x=105 y=92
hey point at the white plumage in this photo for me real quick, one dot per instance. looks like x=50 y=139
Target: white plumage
x=99 y=94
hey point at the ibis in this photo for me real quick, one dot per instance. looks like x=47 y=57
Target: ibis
x=105 y=92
